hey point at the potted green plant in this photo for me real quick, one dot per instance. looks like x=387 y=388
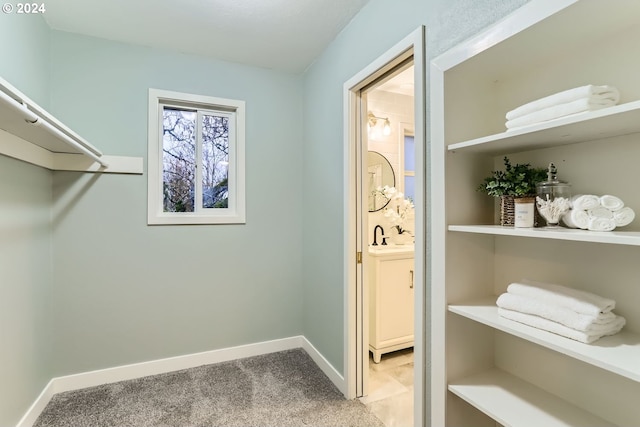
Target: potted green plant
x=513 y=182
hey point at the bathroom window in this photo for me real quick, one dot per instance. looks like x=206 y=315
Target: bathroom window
x=196 y=159
x=409 y=166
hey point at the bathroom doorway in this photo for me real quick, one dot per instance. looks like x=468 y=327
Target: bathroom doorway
x=389 y=175
x=375 y=121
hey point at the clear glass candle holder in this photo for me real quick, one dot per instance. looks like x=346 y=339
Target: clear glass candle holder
x=553 y=197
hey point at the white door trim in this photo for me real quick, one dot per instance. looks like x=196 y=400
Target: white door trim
x=412 y=45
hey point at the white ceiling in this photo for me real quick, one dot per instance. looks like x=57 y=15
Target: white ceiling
x=285 y=35
x=401 y=83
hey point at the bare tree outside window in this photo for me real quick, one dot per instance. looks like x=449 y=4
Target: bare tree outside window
x=180 y=153
x=215 y=161
x=178 y=159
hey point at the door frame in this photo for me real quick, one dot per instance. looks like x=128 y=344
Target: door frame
x=356 y=352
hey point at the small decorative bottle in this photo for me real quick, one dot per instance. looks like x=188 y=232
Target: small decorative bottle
x=553 y=197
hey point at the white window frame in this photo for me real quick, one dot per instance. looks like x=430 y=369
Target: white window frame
x=235 y=212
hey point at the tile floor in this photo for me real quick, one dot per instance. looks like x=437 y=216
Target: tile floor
x=390 y=395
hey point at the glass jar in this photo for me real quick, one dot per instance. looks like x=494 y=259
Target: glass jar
x=553 y=197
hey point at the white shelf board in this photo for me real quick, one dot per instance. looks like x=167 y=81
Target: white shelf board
x=43 y=144
x=14 y=123
x=588 y=126
x=514 y=402
x=631 y=238
x=619 y=353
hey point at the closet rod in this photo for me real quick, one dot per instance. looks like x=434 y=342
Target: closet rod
x=33 y=119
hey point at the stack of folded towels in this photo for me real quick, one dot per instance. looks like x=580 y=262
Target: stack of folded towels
x=575 y=314
x=598 y=213
x=572 y=101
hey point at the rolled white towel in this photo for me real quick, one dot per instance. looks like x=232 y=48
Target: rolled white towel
x=585 y=201
x=558 y=111
x=565 y=96
x=562 y=315
x=559 y=329
x=612 y=203
x=562 y=296
x=624 y=216
x=601 y=224
x=600 y=212
x=575 y=218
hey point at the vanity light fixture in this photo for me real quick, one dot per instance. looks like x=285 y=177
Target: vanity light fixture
x=373 y=120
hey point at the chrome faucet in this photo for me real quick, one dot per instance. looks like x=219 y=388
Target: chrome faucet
x=375 y=235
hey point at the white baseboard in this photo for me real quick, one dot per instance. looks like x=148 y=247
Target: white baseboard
x=161 y=366
x=328 y=369
x=32 y=414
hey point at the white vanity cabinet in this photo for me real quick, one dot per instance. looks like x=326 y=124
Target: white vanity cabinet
x=391 y=280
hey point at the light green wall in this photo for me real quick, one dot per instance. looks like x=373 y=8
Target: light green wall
x=127 y=292
x=25 y=234
x=380 y=25
x=25 y=286
x=24 y=55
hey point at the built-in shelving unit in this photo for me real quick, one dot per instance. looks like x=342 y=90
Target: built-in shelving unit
x=488 y=370
x=29 y=133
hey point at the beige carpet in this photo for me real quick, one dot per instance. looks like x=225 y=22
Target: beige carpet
x=279 y=389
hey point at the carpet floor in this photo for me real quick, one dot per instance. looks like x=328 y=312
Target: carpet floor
x=278 y=389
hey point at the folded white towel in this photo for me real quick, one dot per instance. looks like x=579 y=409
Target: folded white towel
x=558 y=111
x=601 y=224
x=564 y=316
x=576 y=218
x=624 y=216
x=557 y=328
x=585 y=201
x=562 y=296
x=601 y=92
x=612 y=203
x=600 y=212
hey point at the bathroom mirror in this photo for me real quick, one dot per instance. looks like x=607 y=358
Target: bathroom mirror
x=380 y=174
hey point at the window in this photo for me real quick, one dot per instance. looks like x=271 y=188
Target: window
x=409 y=166
x=196 y=159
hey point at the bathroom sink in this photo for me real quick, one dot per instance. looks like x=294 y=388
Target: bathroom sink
x=390 y=249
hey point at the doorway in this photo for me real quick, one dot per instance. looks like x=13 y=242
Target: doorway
x=407 y=54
